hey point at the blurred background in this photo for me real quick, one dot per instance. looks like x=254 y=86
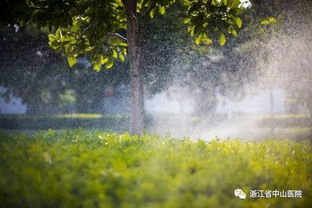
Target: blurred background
x=256 y=86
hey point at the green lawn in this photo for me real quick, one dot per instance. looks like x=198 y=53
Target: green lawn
x=96 y=169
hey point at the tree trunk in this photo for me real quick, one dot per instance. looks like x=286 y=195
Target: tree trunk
x=272 y=111
x=135 y=55
x=310 y=114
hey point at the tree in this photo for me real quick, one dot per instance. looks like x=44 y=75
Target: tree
x=97 y=30
x=33 y=71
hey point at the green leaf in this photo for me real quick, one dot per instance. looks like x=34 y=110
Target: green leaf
x=161 y=10
x=109 y=65
x=103 y=60
x=214 y=3
x=191 y=30
x=233 y=32
x=53 y=42
x=123 y=44
x=58 y=34
x=206 y=41
x=115 y=54
x=268 y=21
x=187 y=20
x=121 y=57
x=222 y=39
x=71 y=61
x=233 y=3
x=238 y=22
x=97 y=67
x=197 y=40
x=152 y=13
x=51 y=37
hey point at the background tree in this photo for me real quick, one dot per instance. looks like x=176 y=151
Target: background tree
x=31 y=70
x=97 y=28
x=34 y=72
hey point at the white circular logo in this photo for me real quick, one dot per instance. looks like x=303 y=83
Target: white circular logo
x=240 y=194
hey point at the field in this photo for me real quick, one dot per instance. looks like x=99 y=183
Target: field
x=77 y=168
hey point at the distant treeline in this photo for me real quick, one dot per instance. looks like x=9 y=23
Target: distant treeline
x=24 y=122
x=120 y=122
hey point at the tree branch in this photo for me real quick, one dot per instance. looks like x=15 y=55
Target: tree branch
x=128 y=10
x=126 y=7
x=118 y=36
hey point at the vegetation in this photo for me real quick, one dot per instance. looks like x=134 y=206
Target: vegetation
x=30 y=69
x=96 y=29
x=97 y=169
x=63 y=121
x=34 y=72
x=285 y=123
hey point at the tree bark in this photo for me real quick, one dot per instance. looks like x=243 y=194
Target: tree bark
x=135 y=55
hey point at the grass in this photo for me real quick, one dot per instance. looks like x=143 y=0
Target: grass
x=66 y=115
x=64 y=121
x=80 y=168
x=80 y=115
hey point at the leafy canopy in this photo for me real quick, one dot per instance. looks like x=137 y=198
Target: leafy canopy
x=96 y=28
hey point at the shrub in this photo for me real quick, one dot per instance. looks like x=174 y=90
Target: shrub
x=97 y=169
